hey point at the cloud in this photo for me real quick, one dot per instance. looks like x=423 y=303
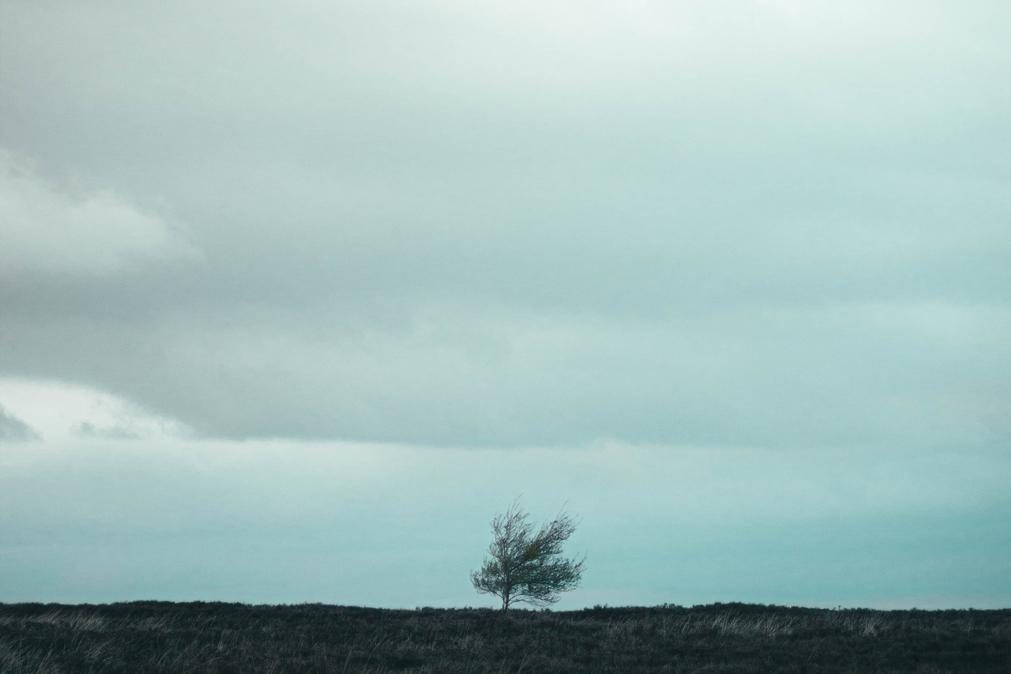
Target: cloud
x=46 y=228
x=63 y=412
x=491 y=224
x=13 y=429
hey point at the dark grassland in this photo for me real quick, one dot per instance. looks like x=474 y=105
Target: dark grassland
x=202 y=637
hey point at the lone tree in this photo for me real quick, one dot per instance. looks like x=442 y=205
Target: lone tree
x=524 y=565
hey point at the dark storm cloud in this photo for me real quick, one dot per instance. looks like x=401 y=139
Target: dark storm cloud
x=501 y=224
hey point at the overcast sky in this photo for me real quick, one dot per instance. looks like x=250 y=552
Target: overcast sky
x=730 y=278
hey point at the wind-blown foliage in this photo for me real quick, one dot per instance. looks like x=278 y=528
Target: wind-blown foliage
x=524 y=565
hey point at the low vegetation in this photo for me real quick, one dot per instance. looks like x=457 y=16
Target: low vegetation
x=724 y=638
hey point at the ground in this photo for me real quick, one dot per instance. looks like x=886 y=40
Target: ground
x=725 y=638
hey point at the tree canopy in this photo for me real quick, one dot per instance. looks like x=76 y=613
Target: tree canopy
x=524 y=564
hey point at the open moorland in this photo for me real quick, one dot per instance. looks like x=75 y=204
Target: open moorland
x=215 y=637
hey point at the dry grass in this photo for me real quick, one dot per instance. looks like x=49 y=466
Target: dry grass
x=163 y=637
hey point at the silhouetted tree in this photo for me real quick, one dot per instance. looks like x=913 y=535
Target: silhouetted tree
x=525 y=565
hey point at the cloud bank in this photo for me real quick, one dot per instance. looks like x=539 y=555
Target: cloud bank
x=504 y=224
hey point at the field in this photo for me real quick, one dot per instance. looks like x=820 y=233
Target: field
x=214 y=637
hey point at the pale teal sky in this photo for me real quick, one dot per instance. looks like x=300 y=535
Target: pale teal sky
x=762 y=239
x=401 y=527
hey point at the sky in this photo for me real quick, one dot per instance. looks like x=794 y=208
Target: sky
x=294 y=299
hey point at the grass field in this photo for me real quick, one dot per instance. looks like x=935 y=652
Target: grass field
x=214 y=637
